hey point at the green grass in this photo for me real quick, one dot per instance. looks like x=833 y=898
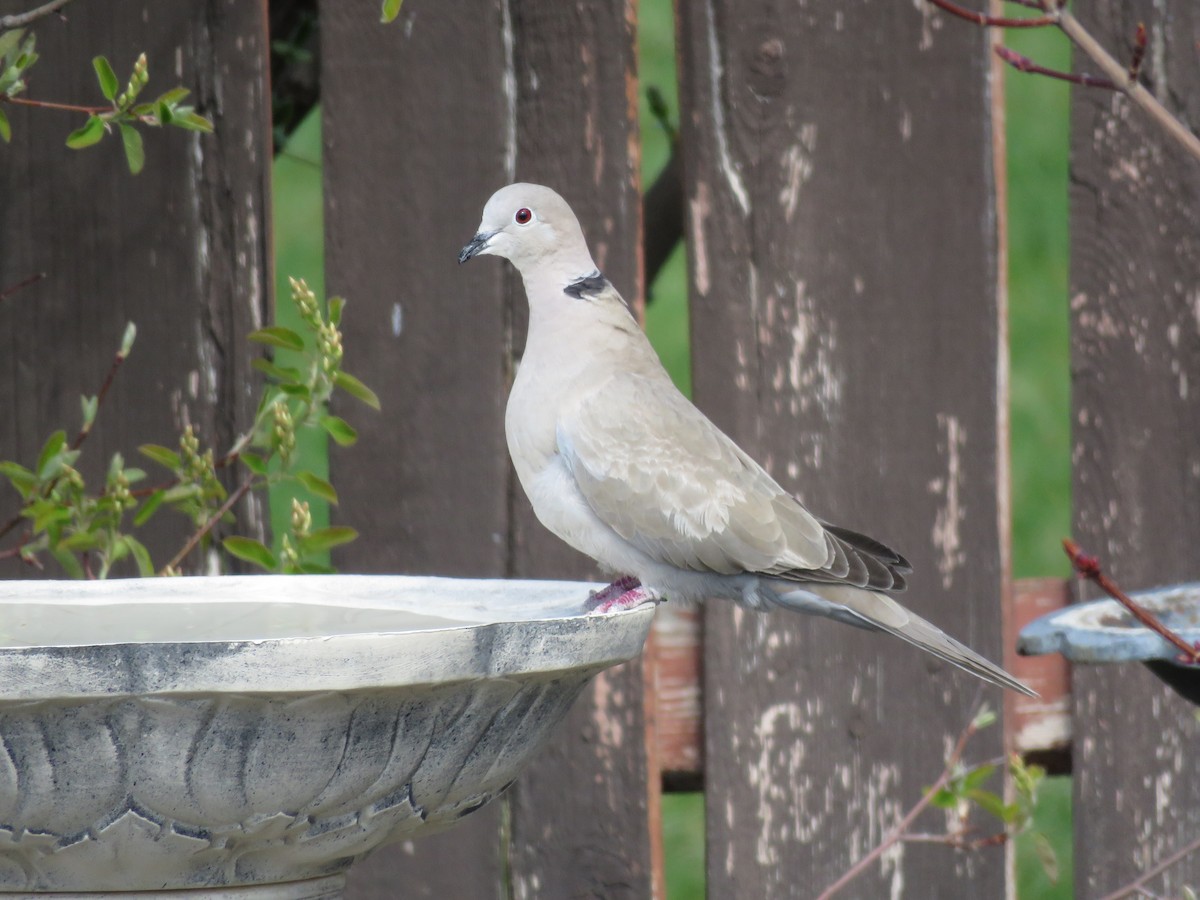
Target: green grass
x=1037 y=159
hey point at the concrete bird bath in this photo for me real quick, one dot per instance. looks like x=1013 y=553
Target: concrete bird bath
x=1104 y=632
x=252 y=736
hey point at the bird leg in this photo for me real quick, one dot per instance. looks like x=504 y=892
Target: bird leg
x=624 y=593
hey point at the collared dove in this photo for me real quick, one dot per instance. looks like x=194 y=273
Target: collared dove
x=621 y=466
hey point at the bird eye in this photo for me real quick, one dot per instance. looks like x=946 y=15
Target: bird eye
x=523 y=216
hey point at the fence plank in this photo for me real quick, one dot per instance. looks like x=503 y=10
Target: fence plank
x=181 y=249
x=1135 y=251
x=413 y=149
x=845 y=312
x=412 y=145
x=581 y=816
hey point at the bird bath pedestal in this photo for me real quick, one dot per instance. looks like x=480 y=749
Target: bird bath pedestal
x=249 y=737
x=1104 y=632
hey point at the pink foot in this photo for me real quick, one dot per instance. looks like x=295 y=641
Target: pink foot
x=615 y=599
x=614 y=590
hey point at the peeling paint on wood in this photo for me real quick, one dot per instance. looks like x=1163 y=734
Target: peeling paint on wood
x=829 y=334
x=1135 y=255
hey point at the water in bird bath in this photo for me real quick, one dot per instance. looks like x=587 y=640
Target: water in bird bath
x=65 y=624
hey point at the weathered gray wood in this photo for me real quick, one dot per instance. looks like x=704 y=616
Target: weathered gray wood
x=182 y=249
x=413 y=146
x=580 y=817
x=845 y=315
x=1135 y=252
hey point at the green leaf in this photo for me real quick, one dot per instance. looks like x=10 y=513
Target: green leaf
x=9 y=41
x=990 y=803
x=278 y=336
x=327 y=538
x=336 y=305
x=1046 y=855
x=164 y=456
x=281 y=373
x=127 y=339
x=22 y=479
x=356 y=389
x=173 y=97
x=391 y=9
x=978 y=776
x=165 y=114
x=54 y=446
x=251 y=551
x=340 y=430
x=253 y=462
x=944 y=799
x=312 y=568
x=80 y=541
x=319 y=486
x=107 y=77
x=983 y=718
x=88 y=406
x=191 y=121
x=149 y=508
x=135 y=153
x=140 y=555
x=90 y=132
x=5 y=128
x=69 y=563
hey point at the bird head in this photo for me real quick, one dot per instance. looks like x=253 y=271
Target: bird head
x=531 y=226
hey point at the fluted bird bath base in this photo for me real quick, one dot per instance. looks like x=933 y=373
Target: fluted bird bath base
x=250 y=737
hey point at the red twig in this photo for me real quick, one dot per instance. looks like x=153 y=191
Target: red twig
x=1089 y=567
x=1025 y=64
x=209 y=525
x=994 y=21
x=7 y=292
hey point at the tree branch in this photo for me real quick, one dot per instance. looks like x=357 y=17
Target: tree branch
x=1157 y=869
x=208 y=526
x=20 y=20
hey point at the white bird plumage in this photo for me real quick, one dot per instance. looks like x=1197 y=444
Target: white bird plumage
x=621 y=466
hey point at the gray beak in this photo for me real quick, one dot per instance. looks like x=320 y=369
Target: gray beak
x=477 y=243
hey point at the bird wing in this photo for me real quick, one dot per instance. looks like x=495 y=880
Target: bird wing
x=668 y=481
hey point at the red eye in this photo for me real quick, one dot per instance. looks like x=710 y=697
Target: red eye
x=523 y=216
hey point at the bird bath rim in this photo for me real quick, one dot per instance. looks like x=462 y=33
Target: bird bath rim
x=1103 y=631
x=341 y=632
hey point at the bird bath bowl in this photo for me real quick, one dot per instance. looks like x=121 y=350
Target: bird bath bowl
x=1104 y=632
x=252 y=736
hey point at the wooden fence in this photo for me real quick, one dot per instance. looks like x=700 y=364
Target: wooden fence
x=846 y=231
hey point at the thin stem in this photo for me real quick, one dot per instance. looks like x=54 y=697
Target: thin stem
x=1157 y=869
x=1025 y=64
x=48 y=104
x=83 y=432
x=209 y=525
x=897 y=833
x=7 y=292
x=1089 y=568
x=20 y=20
x=994 y=21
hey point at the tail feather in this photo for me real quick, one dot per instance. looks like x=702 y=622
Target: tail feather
x=876 y=610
